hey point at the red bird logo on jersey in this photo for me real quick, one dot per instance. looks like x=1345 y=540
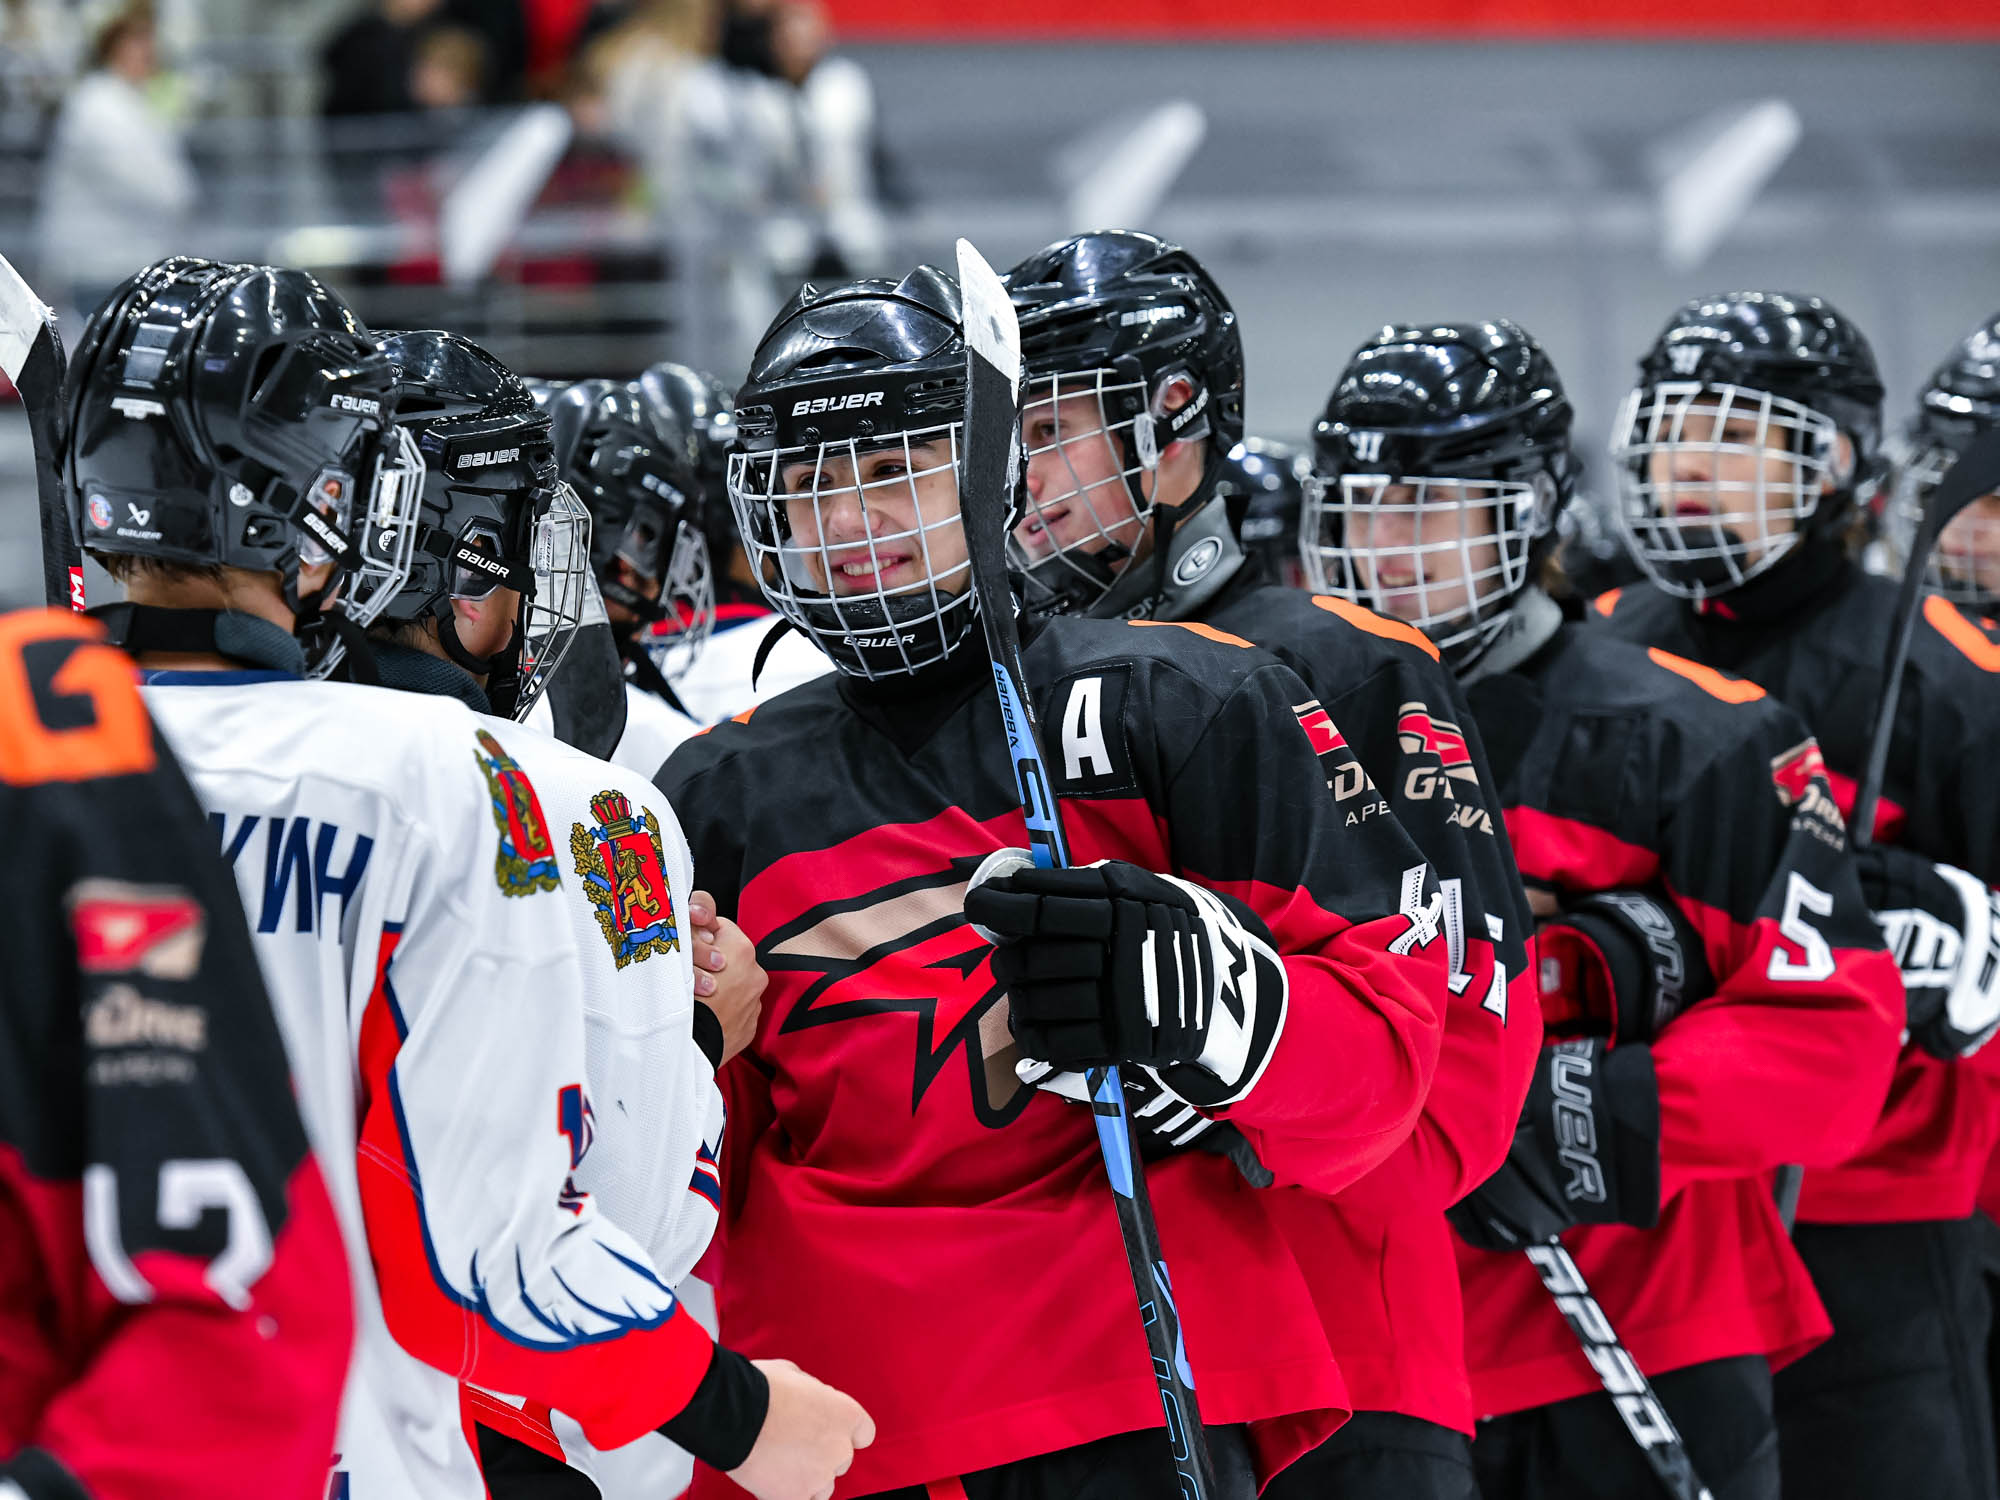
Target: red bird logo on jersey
x=903 y=947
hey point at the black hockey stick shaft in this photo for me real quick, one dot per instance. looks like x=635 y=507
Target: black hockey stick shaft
x=31 y=356
x=1976 y=472
x=1624 y=1382
x=988 y=473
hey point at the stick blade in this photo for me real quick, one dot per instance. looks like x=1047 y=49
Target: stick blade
x=991 y=329
x=24 y=319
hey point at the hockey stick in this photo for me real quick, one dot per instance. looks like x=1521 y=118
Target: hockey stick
x=1976 y=473
x=989 y=470
x=1624 y=1382
x=31 y=356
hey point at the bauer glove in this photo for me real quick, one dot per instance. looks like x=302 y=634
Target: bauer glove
x=1114 y=964
x=1587 y=1151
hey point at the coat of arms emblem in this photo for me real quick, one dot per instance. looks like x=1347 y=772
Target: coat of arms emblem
x=526 y=862
x=626 y=878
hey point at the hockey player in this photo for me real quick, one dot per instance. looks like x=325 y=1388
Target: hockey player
x=1961 y=401
x=879 y=1124
x=173 y=1293
x=1267 y=480
x=649 y=559
x=748 y=655
x=1137 y=396
x=1740 y=454
x=434 y=1005
x=651 y=1042
x=1716 y=997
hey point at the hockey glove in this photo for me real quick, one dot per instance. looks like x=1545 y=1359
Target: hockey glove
x=1114 y=964
x=1587 y=1151
x=1163 y=1122
x=1619 y=964
x=1942 y=925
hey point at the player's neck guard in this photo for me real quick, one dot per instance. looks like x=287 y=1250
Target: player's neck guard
x=138 y=629
x=1195 y=552
x=1816 y=568
x=408 y=670
x=1532 y=622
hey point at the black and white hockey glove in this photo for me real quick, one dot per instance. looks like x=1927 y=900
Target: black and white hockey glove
x=1587 y=1151
x=1110 y=963
x=1619 y=964
x=1942 y=925
x=1162 y=1121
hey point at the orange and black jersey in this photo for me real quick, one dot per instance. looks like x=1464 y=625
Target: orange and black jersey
x=173 y=1294
x=1823 y=660
x=898 y=1208
x=1627 y=767
x=1381 y=1259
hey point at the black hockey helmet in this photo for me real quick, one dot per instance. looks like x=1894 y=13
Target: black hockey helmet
x=496 y=512
x=1733 y=384
x=1264 y=481
x=1959 y=402
x=695 y=414
x=845 y=485
x=645 y=517
x=1120 y=316
x=1440 y=465
x=237 y=416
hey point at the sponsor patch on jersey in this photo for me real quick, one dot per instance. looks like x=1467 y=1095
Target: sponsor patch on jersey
x=625 y=878
x=1801 y=779
x=157 y=931
x=1346 y=778
x=526 y=861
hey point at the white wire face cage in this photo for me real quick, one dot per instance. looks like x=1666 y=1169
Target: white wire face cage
x=559 y=552
x=1965 y=564
x=858 y=543
x=1716 y=482
x=1099 y=461
x=1445 y=555
x=688 y=593
x=384 y=543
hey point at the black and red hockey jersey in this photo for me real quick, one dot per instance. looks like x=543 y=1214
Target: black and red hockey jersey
x=901 y=1215
x=174 y=1303
x=1823 y=659
x=1627 y=767
x=1380 y=1257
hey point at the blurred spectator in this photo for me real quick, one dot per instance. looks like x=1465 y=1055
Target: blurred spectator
x=449 y=72
x=503 y=30
x=117 y=186
x=370 y=62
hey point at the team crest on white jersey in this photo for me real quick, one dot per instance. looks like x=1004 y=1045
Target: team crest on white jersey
x=626 y=878
x=526 y=861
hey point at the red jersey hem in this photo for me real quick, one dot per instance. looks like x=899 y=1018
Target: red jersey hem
x=1724 y=1335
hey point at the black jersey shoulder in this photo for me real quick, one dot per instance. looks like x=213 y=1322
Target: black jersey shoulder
x=1326 y=638
x=1618 y=735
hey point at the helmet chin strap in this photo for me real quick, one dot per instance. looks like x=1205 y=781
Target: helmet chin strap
x=313 y=623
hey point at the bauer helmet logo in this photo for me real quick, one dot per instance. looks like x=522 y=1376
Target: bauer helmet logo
x=854 y=401
x=488 y=460
x=135 y=407
x=1684 y=358
x=1367 y=446
x=364 y=405
x=1149 y=315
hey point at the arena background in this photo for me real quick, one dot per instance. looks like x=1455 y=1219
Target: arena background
x=1581 y=169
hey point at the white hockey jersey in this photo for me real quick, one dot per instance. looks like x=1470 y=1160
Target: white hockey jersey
x=474 y=940
x=716 y=686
